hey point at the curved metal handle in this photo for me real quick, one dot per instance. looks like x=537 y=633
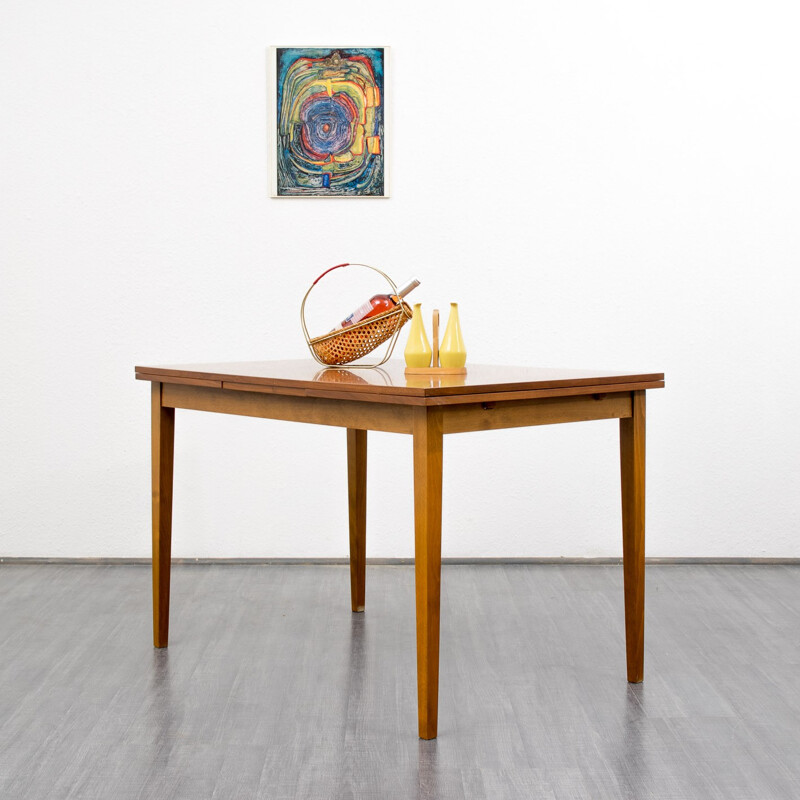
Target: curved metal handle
x=330 y=270
x=303 y=304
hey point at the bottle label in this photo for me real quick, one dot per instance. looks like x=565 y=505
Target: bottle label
x=358 y=314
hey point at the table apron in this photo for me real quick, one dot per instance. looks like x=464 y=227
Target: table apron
x=364 y=415
x=488 y=416
x=318 y=410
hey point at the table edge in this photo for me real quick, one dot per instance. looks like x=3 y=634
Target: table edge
x=405 y=394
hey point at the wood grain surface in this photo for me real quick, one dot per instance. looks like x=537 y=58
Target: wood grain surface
x=428 y=439
x=163 y=446
x=357 y=514
x=632 y=464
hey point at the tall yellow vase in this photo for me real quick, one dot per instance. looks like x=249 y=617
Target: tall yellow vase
x=418 y=350
x=452 y=352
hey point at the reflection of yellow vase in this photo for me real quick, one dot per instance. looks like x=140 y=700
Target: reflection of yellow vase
x=452 y=352
x=418 y=350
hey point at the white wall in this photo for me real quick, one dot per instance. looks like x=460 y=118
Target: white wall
x=599 y=184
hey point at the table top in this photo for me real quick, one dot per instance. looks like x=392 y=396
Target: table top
x=389 y=383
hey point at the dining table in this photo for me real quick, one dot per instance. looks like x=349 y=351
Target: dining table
x=428 y=408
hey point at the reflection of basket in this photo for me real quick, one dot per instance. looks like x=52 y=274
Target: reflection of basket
x=332 y=375
x=348 y=344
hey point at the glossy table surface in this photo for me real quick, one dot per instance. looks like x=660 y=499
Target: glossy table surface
x=391 y=381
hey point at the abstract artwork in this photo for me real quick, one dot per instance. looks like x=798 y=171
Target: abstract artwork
x=330 y=124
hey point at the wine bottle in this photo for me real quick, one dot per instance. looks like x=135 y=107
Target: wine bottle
x=377 y=304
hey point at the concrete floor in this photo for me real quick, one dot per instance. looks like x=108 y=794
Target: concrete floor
x=272 y=688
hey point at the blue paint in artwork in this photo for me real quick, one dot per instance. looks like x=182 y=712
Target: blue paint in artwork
x=327 y=126
x=326 y=180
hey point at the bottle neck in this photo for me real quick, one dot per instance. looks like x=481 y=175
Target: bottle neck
x=403 y=290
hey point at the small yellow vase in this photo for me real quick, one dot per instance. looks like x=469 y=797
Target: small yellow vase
x=418 y=350
x=452 y=352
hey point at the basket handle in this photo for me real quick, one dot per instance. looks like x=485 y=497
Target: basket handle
x=329 y=270
x=303 y=304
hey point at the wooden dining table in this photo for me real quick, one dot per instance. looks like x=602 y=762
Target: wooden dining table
x=428 y=408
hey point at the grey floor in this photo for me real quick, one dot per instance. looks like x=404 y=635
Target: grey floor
x=272 y=688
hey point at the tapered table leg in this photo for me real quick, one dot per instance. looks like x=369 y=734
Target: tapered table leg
x=428 y=561
x=162 y=442
x=632 y=452
x=357 y=505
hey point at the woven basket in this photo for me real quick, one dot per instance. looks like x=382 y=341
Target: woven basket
x=348 y=344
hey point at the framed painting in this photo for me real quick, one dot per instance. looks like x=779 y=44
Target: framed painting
x=329 y=125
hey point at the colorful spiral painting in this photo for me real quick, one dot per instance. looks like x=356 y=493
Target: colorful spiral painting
x=330 y=122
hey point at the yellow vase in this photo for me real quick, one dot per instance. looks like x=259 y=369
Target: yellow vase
x=418 y=350
x=452 y=352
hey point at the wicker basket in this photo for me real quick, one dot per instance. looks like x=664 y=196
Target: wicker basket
x=346 y=345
